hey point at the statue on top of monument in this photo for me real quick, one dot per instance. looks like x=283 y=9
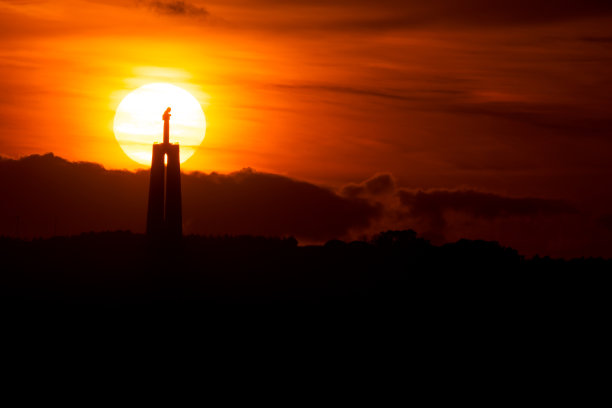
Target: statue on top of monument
x=166 y=118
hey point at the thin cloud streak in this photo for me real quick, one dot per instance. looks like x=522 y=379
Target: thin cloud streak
x=177 y=8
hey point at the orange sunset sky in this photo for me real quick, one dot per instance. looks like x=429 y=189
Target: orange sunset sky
x=512 y=98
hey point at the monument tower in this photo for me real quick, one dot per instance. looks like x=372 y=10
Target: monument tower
x=164 y=215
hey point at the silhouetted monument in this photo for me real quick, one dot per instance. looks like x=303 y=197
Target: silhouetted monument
x=164 y=216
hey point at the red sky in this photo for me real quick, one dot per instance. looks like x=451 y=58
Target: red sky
x=507 y=98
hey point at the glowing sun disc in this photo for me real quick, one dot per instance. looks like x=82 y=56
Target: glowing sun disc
x=138 y=121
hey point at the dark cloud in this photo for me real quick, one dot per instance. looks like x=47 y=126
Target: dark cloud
x=363 y=15
x=520 y=11
x=268 y=204
x=602 y=40
x=431 y=207
x=606 y=221
x=380 y=93
x=378 y=184
x=479 y=204
x=177 y=8
x=558 y=117
x=530 y=224
x=46 y=195
x=43 y=195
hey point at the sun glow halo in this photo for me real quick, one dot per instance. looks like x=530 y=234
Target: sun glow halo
x=138 y=121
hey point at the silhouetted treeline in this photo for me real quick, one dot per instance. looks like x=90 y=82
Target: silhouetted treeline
x=395 y=268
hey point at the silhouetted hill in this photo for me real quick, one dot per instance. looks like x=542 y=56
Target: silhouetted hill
x=395 y=268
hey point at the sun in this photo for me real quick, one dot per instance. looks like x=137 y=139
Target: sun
x=138 y=121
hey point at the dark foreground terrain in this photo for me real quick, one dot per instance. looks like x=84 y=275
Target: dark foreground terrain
x=460 y=306
x=396 y=269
